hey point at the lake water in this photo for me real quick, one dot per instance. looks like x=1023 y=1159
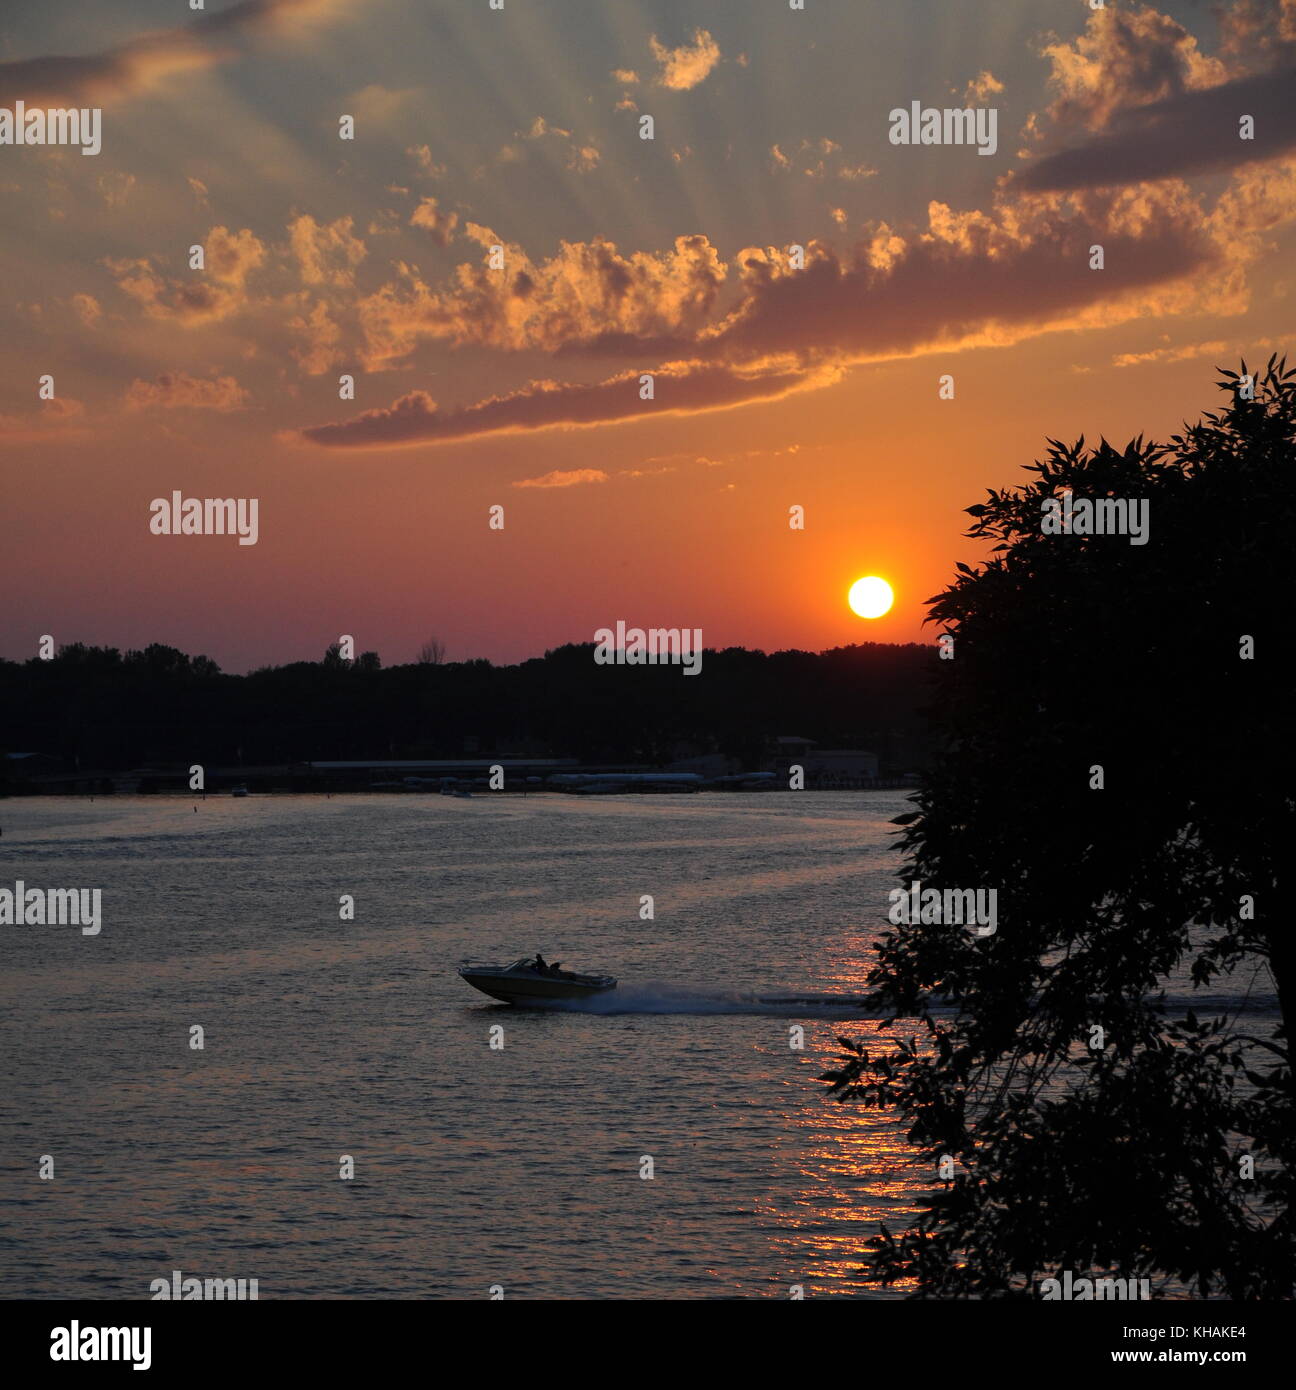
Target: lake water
x=474 y=1167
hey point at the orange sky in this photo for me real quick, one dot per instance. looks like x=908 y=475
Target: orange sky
x=622 y=256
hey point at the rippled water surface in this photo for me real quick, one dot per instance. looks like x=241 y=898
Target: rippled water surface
x=474 y=1166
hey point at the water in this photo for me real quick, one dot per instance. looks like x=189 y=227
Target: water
x=474 y=1167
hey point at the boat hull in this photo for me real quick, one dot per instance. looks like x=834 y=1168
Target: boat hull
x=528 y=989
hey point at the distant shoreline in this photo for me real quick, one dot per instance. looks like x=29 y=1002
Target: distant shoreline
x=227 y=794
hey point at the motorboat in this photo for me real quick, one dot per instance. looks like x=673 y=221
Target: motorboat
x=532 y=980
x=239 y=791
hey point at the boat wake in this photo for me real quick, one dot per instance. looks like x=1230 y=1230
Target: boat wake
x=662 y=997
x=665 y=997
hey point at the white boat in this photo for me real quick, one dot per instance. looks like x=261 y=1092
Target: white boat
x=532 y=980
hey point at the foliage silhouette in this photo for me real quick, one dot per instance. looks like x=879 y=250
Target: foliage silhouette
x=1073 y=651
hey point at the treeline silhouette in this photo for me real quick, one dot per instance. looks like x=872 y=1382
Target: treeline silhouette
x=96 y=707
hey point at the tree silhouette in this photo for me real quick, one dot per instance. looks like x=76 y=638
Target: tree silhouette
x=1093 y=1124
x=98 y=708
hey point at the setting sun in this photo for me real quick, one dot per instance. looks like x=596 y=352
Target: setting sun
x=870 y=597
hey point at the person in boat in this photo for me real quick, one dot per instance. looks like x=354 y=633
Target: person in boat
x=539 y=965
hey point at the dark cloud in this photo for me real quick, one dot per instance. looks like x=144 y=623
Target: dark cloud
x=681 y=388
x=130 y=67
x=974 y=279
x=1194 y=132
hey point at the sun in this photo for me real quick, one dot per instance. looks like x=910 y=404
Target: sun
x=870 y=597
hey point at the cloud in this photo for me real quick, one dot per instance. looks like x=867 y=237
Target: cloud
x=1155 y=107
x=647 y=472
x=322 y=338
x=54 y=422
x=571 y=478
x=822 y=161
x=382 y=107
x=325 y=254
x=115 y=188
x=136 y=65
x=976 y=278
x=427 y=166
x=209 y=296
x=385 y=222
x=540 y=128
x=582 y=158
x=440 y=226
x=1252 y=30
x=681 y=388
x=1169 y=354
x=1196 y=132
x=178 y=390
x=585 y=292
x=1124 y=59
x=685 y=67
x=87 y=309
x=983 y=86
x=231 y=257
x=966 y=279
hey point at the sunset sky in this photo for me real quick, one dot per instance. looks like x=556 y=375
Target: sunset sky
x=519 y=387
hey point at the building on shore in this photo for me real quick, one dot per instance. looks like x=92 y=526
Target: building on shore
x=826 y=767
x=846 y=764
